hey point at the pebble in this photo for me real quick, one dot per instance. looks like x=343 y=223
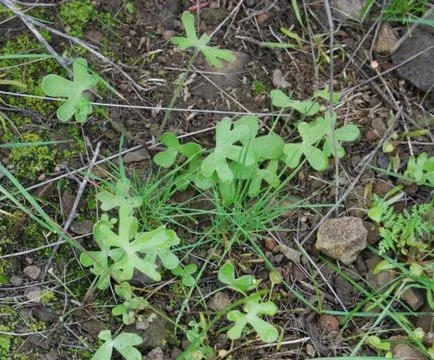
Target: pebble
x=16 y=280
x=328 y=323
x=32 y=272
x=219 y=301
x=269 y=243
x=386 y=40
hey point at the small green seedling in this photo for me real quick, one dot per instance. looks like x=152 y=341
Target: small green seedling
x=310 y=134
x=185 y=272
x=269 y=175
x=325 y=94
x=378 y=344
x=421 y=169
x=217 y=161
x=120 y=198
x=166 y=158
x=243 y=284
x=127 y=247
x=281 y=100
x=124 y=344
x=77 y=102
x=213 y=55
x=131 y=304
x=253 y=308
x=196 y=335
x=345 y=133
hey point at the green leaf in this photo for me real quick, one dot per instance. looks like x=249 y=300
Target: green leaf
x=280 y=99
x=216 y=162
x=121 y=197
x=185 y=273
x=131 y=304
x=226 y=275
x=167 y=158
x=269 y=175
x=383 y=266
x=213 y=55
x=253 y=309
x=325 y=94
x=124 y=344
x=268 y=146
x=375 y=213
x=77 y=102
x=378 y=344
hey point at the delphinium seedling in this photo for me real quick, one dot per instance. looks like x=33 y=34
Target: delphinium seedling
x=186 y=272
x=124 y=344
x=421 y=169
x=213 y=55
x=243 y=284
x=77 y=103
x=127 y=249
x=253 y=309
x=167 y=158
x=281 y=100
x=131 y=304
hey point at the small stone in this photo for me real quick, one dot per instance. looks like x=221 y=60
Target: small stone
x=413 y=297
x=373 y=232
x=279 y=80
x=92 y=326
x=310 y=351
x=33 y=294
x=347 y=8
x=67 y=202
x=45 y=315
x=371 y=136
x=279 y=258
x=328 y=323
x=221 y=341
x=136 y=156
x=381 y=187
x=32 y=272
x=219 y=301
x=269 y=243
x=289 y=253
x=425 y=321
x=167 y=35
x=155 y=336
x=420 y=70
x=51 y=355
x=406 y=352
x=263 y=18
x=142 y=325
x=95 y=36
x=342 y=238
x=39 y=340
x=380 y=280
x=84 y=227
x=16 y=280
x=379 y=126
x=386 y=40
x=155 y=354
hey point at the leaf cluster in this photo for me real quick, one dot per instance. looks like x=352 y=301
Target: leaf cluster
x=77 y=103
x=403 y=232
x=421 y=169
x=241 y=155
x=253 y=307
x=124 y=344
x=213 y=55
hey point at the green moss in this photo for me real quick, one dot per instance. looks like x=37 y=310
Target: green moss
x=31 y=161
x=75 y=15
x=259 y=87
x=29 y=73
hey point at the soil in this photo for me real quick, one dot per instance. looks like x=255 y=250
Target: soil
x=65 y=323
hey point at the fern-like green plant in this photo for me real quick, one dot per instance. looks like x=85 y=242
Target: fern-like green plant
x=406 y=231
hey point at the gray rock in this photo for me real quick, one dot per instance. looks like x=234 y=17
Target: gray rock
x=32 y=272
x=342 y=239
x=136 y=156
x=386 y=40
x=289 y=253
x=16 y=280
x=419 y=71
x=154 y=336
x=347 y=8
x=403 y=351
x=413 y=297
x=225 y=77
x=381 y=280
x=92 y=326
x=426 y=321
x=51 y=355
x=82 y=227
x=44 y=314
x=219 y=301
x=40 y=341
x=155 y=354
